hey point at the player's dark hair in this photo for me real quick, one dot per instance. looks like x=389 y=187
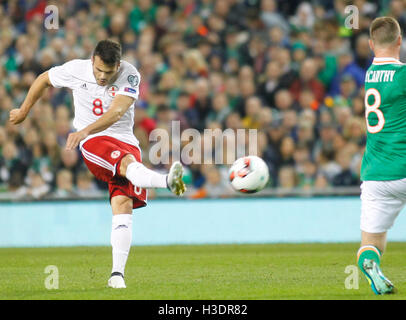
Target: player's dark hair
x=108 y=51
x=384 y=30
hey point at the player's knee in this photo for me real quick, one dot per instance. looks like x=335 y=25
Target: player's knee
x=121 y=205
x=127 y=159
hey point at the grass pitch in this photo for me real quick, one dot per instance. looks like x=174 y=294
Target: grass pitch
x=219 y=272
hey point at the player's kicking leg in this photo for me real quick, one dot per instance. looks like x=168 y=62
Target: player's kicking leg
x=369 y=258
x=142 y=177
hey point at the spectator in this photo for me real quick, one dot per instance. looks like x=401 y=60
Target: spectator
x=396 y=10
x=215 y=186
x=195 y=64
x=53 y=150
x=271 y=83
x=233 y=93
x=287 y=179
x=142 y=15
x=348 y=89
x=300 y=156
x=354 y=131
x=10 y=162
x=265 y=118
x=308 y=80
x=85 y=186
x=287 y=150
x=307 y=178
x=346 y=66
x=64 y=184
x=70 y=162
x=252 y=119
x=202 y=101
x=284 y=59
x=284 y=100
x=345 y=177
x=271 y=17
x=304 y=18
x=289 y=122
x=36 y=187
x=6 y=104
x=363 y=56
x=41 y=163
x=220 y=109
x=327 y=133
x=307 y=100
x=305 y=135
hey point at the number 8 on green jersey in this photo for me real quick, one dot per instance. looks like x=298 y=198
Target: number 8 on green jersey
x=385 y=113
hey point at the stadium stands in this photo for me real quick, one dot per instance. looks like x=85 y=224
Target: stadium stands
x=294 y=73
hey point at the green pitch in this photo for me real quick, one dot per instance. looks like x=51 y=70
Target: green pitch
x=271 y=271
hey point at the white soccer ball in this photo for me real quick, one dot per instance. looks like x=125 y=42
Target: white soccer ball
x=249 y=174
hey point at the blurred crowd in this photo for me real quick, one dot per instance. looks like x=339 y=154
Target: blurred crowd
x=290 y=69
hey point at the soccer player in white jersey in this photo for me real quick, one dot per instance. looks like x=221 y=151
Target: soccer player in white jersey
x=104 y=91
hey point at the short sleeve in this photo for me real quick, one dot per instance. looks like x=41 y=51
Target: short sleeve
x=60 y=77
x=402 y=77
x=130 y=83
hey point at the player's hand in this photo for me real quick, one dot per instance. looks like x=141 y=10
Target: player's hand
x=74 y=139
x=17 y=116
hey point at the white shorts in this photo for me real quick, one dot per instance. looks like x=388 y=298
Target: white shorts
x=381 y=202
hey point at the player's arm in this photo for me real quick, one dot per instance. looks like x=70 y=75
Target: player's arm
x=34 y=93
x=118 y=107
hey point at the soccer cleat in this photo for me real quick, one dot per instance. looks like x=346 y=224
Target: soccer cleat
x=379 y=283
x=116 y=281
x=174 y=179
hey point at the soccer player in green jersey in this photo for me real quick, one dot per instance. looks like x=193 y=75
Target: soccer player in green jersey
x=383 y=170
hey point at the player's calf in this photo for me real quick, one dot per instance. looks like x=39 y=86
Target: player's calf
x=121 y=237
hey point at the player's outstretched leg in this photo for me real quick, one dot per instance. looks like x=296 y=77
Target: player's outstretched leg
x=142 y=177
x=369 y=261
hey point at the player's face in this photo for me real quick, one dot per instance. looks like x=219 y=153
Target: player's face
x=103 y=72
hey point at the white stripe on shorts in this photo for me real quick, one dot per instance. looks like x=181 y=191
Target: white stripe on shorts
x=97 y=160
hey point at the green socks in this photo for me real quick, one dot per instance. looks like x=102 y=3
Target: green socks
x=368 y=252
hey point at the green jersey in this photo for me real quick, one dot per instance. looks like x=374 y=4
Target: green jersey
x=385 y=113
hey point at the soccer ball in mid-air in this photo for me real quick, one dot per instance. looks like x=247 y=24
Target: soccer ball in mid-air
x=249 y=174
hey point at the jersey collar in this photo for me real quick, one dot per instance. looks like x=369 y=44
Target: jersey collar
x=386 y=60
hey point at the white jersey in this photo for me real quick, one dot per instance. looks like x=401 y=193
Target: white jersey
x=91 y=100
